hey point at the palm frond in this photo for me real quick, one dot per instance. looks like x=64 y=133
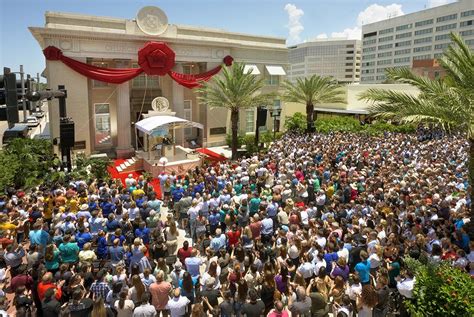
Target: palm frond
x=312 y=90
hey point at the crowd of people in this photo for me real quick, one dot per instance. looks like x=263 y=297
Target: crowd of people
x=317 y=224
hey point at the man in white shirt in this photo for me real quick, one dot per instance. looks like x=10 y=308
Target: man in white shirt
x=145 y=309
x=178 y=304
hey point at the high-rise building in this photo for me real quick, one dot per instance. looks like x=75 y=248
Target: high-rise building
x=404 y=40
x=339 y=58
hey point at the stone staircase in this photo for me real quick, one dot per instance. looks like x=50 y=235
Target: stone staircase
x=130 y=165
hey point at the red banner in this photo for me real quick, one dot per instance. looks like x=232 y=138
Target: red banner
x=154 y=58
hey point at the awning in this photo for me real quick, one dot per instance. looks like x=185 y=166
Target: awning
x=157 y=123
x=253 y=69
x=345 y=111
x=275 y=70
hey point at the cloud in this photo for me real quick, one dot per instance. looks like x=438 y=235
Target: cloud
x=376 y=13
x=294 y=25
x=371 y=14
x=351 y=34
x=437 y=3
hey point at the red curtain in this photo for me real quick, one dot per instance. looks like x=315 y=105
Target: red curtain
x=155 y=58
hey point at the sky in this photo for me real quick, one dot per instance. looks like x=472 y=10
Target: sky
x=295 y=20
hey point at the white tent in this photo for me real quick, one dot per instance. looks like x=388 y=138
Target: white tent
x=159 y=126
x=152 y=124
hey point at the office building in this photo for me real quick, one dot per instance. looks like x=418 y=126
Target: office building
x=338 y=58
x=403 y=41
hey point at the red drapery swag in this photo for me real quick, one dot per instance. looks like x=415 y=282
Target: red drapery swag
x=155 y=58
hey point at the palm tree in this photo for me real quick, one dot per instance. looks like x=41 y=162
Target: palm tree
x=233 y=89
x=447 y=103
x=310 y=91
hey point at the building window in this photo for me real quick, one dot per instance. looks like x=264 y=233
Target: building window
x=249 y=120
x=143 y=80
x=384 y=62
x=370 y=56
x=368 y=64
x=188 y=115
x=441 y=46
x=438 y=55
x=467 y=13
x=368 y=71
x=102 y=124
x=425 y=22
x=422 y=57
x=187 y=69
x=272 y=80
x=386 y=54
x=467 y=33
x=349 y=64
x=424 y=31
x=385 y=31
x=401 y=60
x=369 y=49
x=403 y=35
x=381 y=70
x=350 y=58
x=404 y=43
x=446 y=27
x=441 y=37
x=385 y=46
x=422 y=40
x=403 y=52
x=386 y=38
x=381 y=77
x=470 y=42
x=366 y=35
x=447 y=18
x=348 y=70
x=368 y=42
x=98 y=83
x=422 y=49
x=404 y=27
x=466 y=23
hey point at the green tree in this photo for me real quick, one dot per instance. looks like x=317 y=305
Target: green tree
x=447 y=103
x=310 y=91
x=440 y=290
x=295 y=123
x=235 y=90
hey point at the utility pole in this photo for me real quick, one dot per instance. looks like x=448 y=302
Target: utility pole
x=39 y=103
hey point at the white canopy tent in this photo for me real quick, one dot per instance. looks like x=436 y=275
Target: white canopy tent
x=159 y=125
x=152 y=124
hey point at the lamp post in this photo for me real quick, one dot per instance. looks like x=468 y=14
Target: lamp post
x=275 y=112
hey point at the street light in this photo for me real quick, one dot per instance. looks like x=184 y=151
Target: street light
x=275 y=112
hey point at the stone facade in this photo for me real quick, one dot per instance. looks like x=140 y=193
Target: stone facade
x=104 y=113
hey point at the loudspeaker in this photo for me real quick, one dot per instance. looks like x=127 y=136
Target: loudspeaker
x=11 y=99
x=261 y=117
x=66 y=133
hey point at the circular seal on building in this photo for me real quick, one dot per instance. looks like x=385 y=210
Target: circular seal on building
x=152 y=20
x=160 y=104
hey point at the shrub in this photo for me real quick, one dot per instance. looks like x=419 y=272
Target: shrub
x=296 y=123
x=440 y=290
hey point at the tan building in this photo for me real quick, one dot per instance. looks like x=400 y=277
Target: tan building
x=104 y=114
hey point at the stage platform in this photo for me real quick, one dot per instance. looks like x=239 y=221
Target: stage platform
x=180 y=160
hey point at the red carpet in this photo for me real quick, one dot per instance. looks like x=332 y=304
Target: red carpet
x=122 y=176
x=213 y=156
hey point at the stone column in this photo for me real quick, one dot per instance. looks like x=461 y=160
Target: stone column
x=124 y=144
x=178 y=104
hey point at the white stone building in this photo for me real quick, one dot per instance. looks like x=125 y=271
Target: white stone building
x=104 y=114
x=423 y=35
